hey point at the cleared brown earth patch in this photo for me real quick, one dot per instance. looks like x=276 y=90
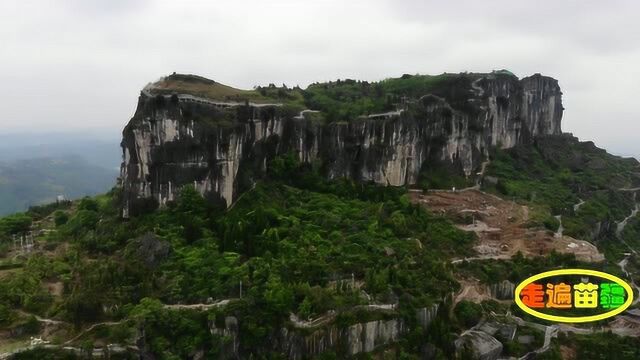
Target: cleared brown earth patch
x=501 y=226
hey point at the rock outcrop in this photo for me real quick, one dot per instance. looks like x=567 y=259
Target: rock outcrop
x=221 y=147
x=230 y=348
x=355 y=339
x=482 y=345
x=302 y=342
x=503 y=290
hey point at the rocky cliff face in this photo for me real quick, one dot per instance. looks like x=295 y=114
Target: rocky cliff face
x=221 y=147
x=305 y=343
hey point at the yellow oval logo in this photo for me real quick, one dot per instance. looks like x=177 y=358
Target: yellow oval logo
x=575 y=294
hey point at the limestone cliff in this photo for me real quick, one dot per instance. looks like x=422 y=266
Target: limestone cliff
x=305 y=342
x=221 y=143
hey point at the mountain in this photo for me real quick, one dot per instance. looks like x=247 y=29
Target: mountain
x=37 y=167
x=37 y=181
x=190 y=130
x=345 y=220
x=96 y=147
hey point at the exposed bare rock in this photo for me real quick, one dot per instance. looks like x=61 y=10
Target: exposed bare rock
x=482 y=345
x=222 y=147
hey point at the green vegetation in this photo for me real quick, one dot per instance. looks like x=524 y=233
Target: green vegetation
x=202 y=87
x=178 y=333
x=515 y=348
x=604 y=346
x=14 y=224
x=209 y=89
x=348 y=99
x=468 y=313
x=557 y=173
x=297 y=243
x=517 y=268
x=340 y=100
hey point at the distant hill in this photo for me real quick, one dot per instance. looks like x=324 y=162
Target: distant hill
x=98 y=148
x=37 y=167
x=36 y=181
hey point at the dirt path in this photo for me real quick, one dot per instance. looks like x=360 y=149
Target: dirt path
x=306 y=324
x=623 y=267
x=83 y=332
x=42 y=320
x=198 y=306
x=550 y=332
x=477 y=88
x=630 y=189
x=621 y=225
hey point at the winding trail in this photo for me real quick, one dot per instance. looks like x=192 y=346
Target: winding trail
x=483 y=168
x=621 y=225
x=629 y=189
x=482 y=257
x=550 y=332
x=198 y=306
x=623 y=266
x=42 y=320
x=386 y=114
x=112 y=323
x=301 y=115
x=477 y=88
x=307 y=324
x=83 y=332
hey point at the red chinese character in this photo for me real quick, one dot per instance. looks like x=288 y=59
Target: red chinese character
x=532 y=295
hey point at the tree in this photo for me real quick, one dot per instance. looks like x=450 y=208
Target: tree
x=5 y=314
x=304 y=309
x=468 y=313
x=15 y=224
x=88 y=203
x=146 y=309
x=190 y=212
x=60 y=218
x=278 y=296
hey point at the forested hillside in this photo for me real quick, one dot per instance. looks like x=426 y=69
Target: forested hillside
x=294 y=257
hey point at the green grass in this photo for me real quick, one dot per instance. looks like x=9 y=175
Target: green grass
x=209 y=89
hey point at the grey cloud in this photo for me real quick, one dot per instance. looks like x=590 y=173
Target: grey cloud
x=80 y=64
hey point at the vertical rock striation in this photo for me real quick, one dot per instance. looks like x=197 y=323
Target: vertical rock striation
x=304 y=343
x=222 y=147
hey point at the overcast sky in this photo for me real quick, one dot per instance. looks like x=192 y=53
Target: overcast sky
x=80 y=64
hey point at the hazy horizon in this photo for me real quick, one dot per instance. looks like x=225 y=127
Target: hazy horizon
x=78 y=66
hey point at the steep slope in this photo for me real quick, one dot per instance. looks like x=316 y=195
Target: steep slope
x=190 y=130
x=590 y=191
